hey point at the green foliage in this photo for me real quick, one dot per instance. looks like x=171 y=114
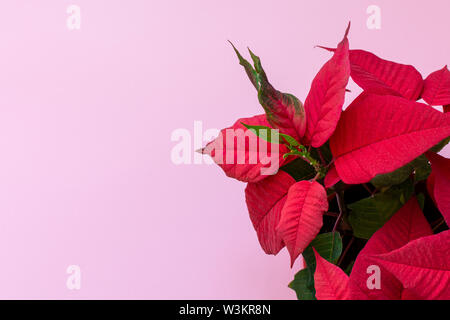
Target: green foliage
x=299 y=169
x=370 y=214
x=419 y=166
x=271 y=135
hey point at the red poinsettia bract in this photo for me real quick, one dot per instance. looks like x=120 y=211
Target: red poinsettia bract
x=361 y=194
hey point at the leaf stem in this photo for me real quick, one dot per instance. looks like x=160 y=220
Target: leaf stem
x=331 y=214
x=305 y=154
x=340 y=202
x=345 y=251
x=368 y=189
x=438 y=224
x=322 y=160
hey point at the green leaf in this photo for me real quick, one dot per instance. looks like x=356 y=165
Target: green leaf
x=299 y=169
x=420 y=166
x=272 y=135
x=303 y=285
x=370 y=214
x=329 y=246
x=251 y=73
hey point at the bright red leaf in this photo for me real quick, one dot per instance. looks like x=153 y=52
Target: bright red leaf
x=265 y=200
x=406 y=225
x=422 y=266
x=436 y=91
x=375 y=74
x=244 y=156
x=439 y=183
x=378 y=134
x=332 y=177
x=324 y=102
x=301 y=217
x=330 y=281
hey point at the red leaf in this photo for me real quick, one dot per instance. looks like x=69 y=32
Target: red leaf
x=265 y=199
x=373 y=73
x=378 y=134
x=436 y=91
x=330 y=281
x=326 y=97
x=439 y=184
x=422 y=266
x=406 y=225
x=301 y=217
x=244 y=156
x=332 y=177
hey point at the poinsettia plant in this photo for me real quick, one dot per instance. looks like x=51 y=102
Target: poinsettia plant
x=361 y=194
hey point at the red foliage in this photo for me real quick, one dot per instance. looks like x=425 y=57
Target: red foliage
x=384 y=133
x=301 y=217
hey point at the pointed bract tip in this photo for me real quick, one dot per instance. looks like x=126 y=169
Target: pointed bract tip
x=292 y=263
x=348 y=29
x=231 y=44
x=201 y=150
x=251 y=53
x=325 y=48
x=234 y=48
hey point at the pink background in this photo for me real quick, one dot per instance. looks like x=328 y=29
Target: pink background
x=86 y=117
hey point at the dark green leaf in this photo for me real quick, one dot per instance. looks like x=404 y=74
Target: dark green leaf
x=303 y=285
x=328 y=245
x=299 y=169
x=420 y=166
x=370 y=214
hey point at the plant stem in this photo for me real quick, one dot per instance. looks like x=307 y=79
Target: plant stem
x=345 y=251
x=331 y=196
x=331 y=214
x=367 y=188
x=321 y=157
x=340 y=201
x=302 y=152
x=438 y=224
